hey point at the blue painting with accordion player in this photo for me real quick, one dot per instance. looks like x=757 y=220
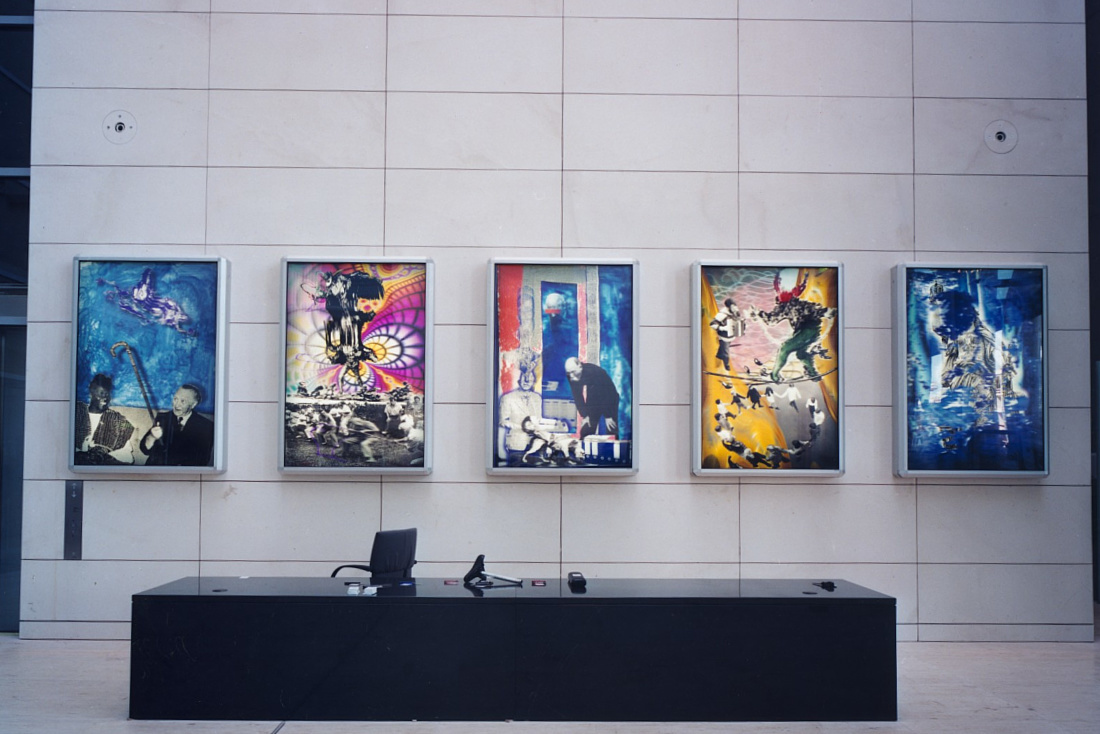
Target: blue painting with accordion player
x=144 y=328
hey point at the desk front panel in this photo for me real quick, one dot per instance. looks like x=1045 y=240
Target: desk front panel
x=324 y=659
x=706 y=662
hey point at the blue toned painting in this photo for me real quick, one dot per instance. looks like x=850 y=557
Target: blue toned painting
x=150 y=326
x=974 y=369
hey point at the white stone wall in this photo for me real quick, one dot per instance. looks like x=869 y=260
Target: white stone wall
x=663 y=130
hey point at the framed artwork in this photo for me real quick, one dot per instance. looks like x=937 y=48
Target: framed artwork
x=148 y=365
x=357 y=384
x=971 y=374
x=766 y=369
x=562 y=374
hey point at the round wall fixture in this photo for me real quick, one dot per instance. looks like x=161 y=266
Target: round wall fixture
x=1001 y=136
x=119 y=127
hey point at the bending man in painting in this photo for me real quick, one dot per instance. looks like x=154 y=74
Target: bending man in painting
x=102 y=434
x=595 y=396
x=180 y=436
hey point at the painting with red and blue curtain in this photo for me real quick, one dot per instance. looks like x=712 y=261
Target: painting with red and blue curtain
x=563 y=342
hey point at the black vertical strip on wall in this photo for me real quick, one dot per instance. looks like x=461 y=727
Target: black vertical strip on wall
x=1092 y=95
x=74 y=519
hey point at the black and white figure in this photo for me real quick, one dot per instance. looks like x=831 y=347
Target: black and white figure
x=102 y=434
x=728 y=324
x=515 y=406
x=181 y=436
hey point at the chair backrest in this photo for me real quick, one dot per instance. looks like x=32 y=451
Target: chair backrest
x=393 y=554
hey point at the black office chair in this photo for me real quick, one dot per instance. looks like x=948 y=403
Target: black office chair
x=392 y=556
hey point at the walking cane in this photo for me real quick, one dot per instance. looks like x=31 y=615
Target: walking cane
x=137 y=374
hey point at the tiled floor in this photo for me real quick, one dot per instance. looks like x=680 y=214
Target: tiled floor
x=59 y=687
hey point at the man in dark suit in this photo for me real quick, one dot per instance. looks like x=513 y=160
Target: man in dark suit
x=180 y=437
x=595 y=396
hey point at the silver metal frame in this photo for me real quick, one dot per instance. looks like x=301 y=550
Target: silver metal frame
x=901 y=376
x=697 y=371
x=220 y=387
x=492 y=364
x=429 y=382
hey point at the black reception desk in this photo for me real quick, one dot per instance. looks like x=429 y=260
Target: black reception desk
x=625 y=650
